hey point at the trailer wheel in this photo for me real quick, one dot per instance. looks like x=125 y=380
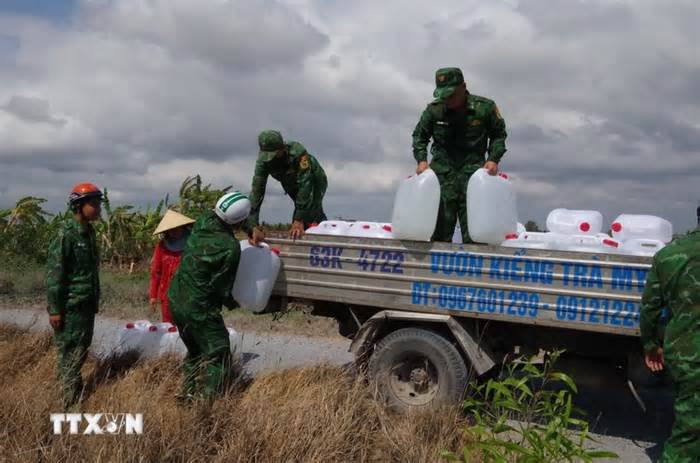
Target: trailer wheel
x=418 y=369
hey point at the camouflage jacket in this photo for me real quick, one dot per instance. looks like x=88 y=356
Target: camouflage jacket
x=301 y=176
x=72 y=268
x=460 y=137
x=674 y=283
x=203 y=281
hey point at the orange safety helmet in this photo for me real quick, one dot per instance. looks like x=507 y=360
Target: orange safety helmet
x=82 y=192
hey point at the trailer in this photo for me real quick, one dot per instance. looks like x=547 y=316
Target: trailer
x=425 y=318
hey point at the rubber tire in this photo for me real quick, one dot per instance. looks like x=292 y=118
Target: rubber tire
x=450 y=367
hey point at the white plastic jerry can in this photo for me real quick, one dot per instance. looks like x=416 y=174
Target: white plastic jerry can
x=491 y=207
x=580 y=243
x=256 y=276
x=610 y=245
x=329 y=227
x=150 y=345
x=170 y=341
x=131 y=336
x=385 y=231
x=361 y=229
x=234 y=339
x=370 y=230
x=635 y=226
x=574 y=222
x=642 y=246
x=530 y=240
x=416 y=207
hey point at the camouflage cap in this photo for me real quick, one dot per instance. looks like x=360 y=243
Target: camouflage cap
x=446 y=81
x=269 y=142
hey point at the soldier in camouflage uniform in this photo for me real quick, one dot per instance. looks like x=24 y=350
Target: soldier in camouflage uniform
x=73 y=287
x=674 y=283
x=201 y=285
x=466 y=130
x=300 y=174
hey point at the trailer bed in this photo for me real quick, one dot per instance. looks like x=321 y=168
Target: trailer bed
x=579 y=291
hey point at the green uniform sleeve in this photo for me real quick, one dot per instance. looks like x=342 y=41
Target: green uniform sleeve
x=56 y=284
x=257 y=193
x=650 y=312
x=304 y=201
x=422 y=135
x=497 y=135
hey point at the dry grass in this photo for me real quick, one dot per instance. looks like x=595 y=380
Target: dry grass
x=312 y=414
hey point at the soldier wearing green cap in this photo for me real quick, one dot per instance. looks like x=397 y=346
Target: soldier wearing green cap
x=467 y=132
x=300 y=174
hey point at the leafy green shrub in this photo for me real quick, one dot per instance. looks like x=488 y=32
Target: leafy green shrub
x=527 y=416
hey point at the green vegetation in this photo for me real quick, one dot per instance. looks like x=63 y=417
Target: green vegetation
x=125 y=233
x=527 y=416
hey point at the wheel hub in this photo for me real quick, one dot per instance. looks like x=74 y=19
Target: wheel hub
x=414 y=381
x=420 y=379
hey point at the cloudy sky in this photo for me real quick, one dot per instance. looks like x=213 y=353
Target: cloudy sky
x=601 y=97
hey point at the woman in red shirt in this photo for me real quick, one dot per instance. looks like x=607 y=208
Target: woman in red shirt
x=175 y=228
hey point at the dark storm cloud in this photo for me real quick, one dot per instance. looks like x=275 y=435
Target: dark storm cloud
x=31 y=109
x=600 y=97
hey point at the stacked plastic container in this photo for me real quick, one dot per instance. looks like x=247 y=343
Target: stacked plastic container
x=457 y=235
x=642 y=235
x=568 y=230
x=330 y=227
x=370 y=230
x=580 y=230
x=359 y=229
x=492 y=216
x=530 y=240
x=152 y=340
x=574 y=222
x=131 y=335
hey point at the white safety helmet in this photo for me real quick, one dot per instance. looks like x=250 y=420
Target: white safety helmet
x=233 y=207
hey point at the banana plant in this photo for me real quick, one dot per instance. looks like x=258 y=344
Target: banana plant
x=196 y=198
x=28 y=211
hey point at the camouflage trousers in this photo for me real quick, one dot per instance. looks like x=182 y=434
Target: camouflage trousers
x=208 y=360
x=453 y=204
x=684 y=443
x=73 y=342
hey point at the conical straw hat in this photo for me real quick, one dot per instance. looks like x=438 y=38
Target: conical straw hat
x=171 y=220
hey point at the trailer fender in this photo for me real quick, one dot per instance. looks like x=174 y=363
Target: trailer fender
x=368 y=334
